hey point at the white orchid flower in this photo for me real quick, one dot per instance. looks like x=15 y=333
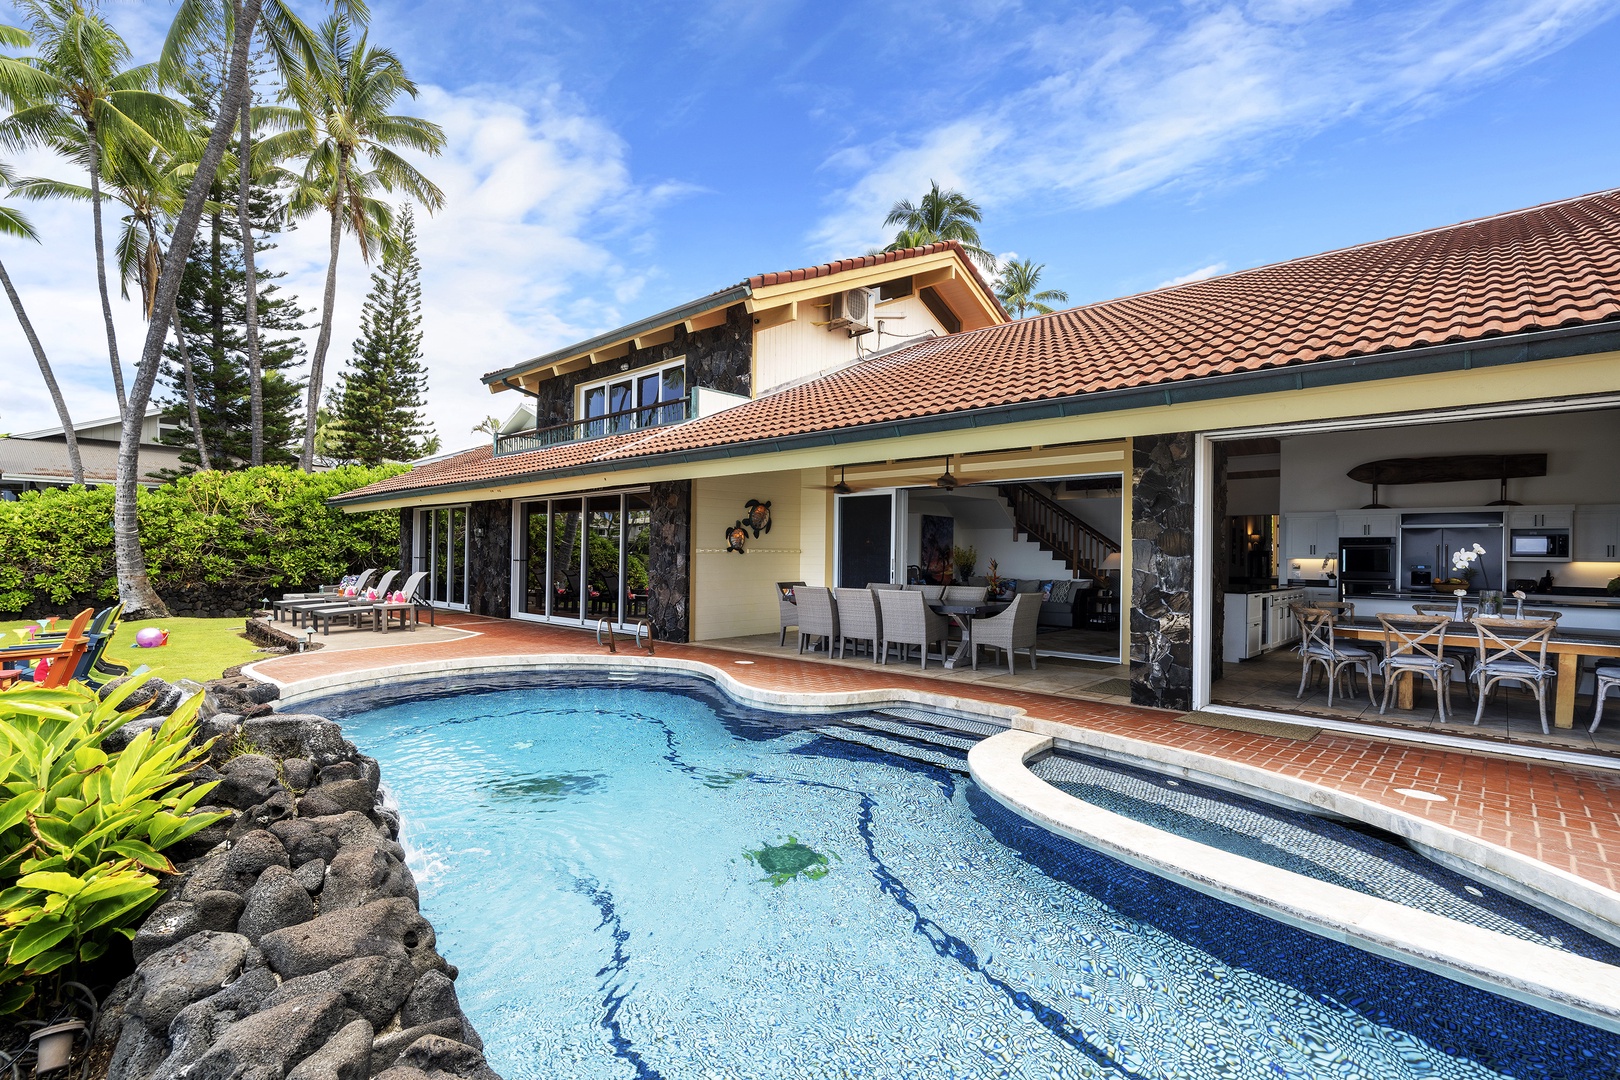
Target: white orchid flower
x=1478 y=550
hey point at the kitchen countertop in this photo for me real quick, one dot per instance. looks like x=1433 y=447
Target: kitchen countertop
x=1530 y=599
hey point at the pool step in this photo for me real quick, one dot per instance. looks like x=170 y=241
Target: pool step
x=959 y=725
x=929 y=754
x=918 y=732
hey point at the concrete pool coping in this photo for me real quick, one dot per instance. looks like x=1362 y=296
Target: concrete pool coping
x=1582 y=989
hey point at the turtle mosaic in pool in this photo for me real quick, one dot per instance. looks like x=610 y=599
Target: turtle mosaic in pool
x=614 y=928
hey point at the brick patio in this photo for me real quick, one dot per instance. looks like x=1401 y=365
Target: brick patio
x=1565 y=816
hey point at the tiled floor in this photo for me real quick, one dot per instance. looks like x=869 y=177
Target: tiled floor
x=1566 y=816
x=1272 y=681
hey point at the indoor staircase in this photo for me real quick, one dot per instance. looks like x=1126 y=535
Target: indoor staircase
x=1044 y=520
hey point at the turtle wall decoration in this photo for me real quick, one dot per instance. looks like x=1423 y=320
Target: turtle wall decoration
x=758 y=516
x=737 y=539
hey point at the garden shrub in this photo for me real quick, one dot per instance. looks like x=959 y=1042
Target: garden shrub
x=240 y=534
x=82 y=830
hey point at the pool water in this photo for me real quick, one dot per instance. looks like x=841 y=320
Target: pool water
x=641 y=879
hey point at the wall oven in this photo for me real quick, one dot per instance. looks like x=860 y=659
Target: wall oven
x=1367 y=564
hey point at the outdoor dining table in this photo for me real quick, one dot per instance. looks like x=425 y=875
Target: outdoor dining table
x=1568 y=644
x=963 y=615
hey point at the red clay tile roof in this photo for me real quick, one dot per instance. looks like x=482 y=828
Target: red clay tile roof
x=879 y=258
x=1544 y=267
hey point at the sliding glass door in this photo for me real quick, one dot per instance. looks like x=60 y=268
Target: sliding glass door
x=441 y=554
x=865 y=540
x=581 y=560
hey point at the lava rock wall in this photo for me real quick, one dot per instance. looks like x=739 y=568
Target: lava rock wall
x=290 y=944
x=1162 y=570
x=669 y=570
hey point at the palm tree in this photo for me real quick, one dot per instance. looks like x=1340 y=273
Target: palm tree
x=341 y=129
x=940 y=215
x=134 y=584
x=20 y=81
x=91 y=104
x=294 y=49
x=1019 y=289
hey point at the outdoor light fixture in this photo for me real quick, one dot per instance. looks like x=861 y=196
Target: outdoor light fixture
x=947 y=481
x=842 y=488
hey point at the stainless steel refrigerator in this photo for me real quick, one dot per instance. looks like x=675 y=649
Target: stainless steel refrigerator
x=1428 y=541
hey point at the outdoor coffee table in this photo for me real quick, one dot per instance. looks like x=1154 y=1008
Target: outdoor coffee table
x=407 y=609
x=963 y=615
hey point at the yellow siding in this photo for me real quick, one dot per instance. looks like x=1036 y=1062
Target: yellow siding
x=801 y=349
x=732 y=594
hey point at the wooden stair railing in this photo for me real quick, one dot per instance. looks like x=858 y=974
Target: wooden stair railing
x=1081 y=547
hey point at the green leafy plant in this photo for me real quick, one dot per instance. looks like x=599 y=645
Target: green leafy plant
x=964 y=559
x=82 y=830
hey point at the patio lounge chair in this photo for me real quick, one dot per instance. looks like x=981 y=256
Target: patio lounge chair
x=908 y=621
x=858 y=618
x=300 y=609
x=95 y=667
x=818 y=617
x=327 y=591
x=1014 y=629
x=788 y=609
x=410 y=608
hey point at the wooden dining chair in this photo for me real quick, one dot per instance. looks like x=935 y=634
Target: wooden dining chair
x=1317 y=648
x=1415 y=645
x=1608 y=678
x=1448 y=610
x=1513 y=650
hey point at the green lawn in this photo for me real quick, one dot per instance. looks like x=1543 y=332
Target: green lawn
x=198 y=649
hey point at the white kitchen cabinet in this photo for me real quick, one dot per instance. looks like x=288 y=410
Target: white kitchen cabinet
x=1369 y=523
x=1310 y=536
x=1321 y=596
x=1541 y=517
x=1284 y=626
x=1597 y=534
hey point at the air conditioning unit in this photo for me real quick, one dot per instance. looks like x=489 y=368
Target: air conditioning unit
x=852 y=311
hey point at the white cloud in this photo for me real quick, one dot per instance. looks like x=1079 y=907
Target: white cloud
x=1115 y=105
x=537 y=191
x=1199 y=274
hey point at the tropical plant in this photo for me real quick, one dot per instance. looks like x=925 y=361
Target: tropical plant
x=20 y=82
x=489 y=425
x=342 y=131
x=82 y=829
x=939 y=215
x=1019 y=289
x=91 y=104
x=380 y=399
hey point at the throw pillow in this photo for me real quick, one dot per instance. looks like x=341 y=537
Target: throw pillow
x=1060 y=591
x=1009 y=586
x=1046 y=590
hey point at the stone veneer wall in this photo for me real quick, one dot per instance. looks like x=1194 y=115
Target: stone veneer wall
x=1215 y=572
x=1162 y=570
x=489 y=578
x=669 y=574
x=407 y=538
x=719 y=358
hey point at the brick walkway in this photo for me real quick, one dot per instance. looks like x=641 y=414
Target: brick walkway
x=1565 y=816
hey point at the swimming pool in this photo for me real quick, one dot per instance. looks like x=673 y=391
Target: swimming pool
x=641 y=879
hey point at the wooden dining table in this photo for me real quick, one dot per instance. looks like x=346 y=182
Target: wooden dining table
x=1567 y=644
x=963 y=615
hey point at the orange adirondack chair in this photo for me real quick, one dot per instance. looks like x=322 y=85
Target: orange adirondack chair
x=63 y=655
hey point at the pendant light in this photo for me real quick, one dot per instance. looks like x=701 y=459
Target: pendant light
x=842 y=488
x=946 y=481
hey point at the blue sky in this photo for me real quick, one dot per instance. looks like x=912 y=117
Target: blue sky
x=610 y=159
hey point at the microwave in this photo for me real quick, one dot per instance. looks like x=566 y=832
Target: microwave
x=1545 y=544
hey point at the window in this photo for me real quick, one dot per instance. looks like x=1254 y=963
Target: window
x=645 y=397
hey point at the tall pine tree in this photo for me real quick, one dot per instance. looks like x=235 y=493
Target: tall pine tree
x=378 y=415
x=213 y=314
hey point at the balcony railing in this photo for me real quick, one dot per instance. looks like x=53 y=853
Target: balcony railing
x=614 y=423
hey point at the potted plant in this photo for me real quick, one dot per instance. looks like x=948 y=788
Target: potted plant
x=964 y=560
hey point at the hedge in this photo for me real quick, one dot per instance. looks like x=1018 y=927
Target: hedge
x=239 y=534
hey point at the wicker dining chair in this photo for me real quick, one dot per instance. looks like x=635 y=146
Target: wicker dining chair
x=789 y=610
x=818 y=616
x=858 y=618
x=907 y=620
x=1317 y=648
x=1513 y=650
x=931 y=593
x=1416 y=645
x=1013 y=629
x=965 y=594
x=1608 y=677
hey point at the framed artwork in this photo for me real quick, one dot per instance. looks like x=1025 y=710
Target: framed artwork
x=938 y=537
